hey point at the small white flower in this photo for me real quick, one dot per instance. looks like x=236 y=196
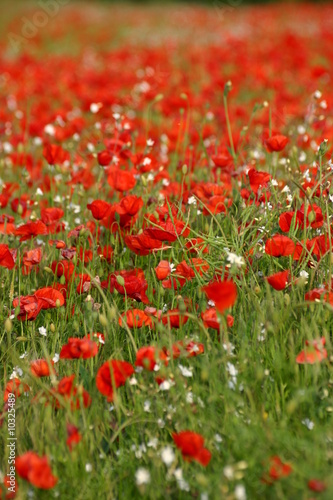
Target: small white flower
x=146 y=406
x=88 y=467
x=304 y=274
x=228 y=471
x=274 y=182
x=42 y=330
x=186 y=372
x=166 y=385
x=56 y=357
x=152 y=443
x=218 y=438
x=189 y=397
x=308 y=423
x=133 y=381
x=49 y=129
x=167 y=455
x=150 y=143
x=232 y=258
x=24 y=355
x=142 y=476
x=240 y=492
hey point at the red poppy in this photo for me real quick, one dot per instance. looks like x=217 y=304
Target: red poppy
x=163 y=270
x=149 y=357
x=192 y=447
x=279 y=280
x=174 y=318
x=143 y=243
x=55 y=154
x=32 y=257
x=49 y=297
x=277 y=470
x=99 y=209
x=135 y=318
x=15 y=386
x=70 y=392
x=316 y=485
x=73 y=436
x=121 y=180
x=314 y=352
x=30 y=230
x=258 y=179
x=135 y=284
x=8 y=488
x=36 y=470
x=279 y=246
x=276 y=143
x=79 y=349
x=41 y=368
x=211 y=319
x=197 y=245
x=30 y=307
x=189 y=349
x=104 y=158
x=222 y=293
x=112 y=374
x=6 y=258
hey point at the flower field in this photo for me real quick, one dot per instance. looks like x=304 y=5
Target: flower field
x=166 y=264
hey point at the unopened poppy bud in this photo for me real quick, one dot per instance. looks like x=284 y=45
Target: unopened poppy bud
x=183 y=96
x=52 y=327
x=21 y=339
x=20 y=209
x=287 y=299
x=82 y=231
x=120 y=280
x=312 y=216
x=159 y=97
x=48 y=270
x=144 y=181
x=8 y=325
x=182 y=306
x=113 y=313
x=184 y=169
x=204 y=375
x=58 y=303
x=257 y=289
x=103 y=320
x=202 y=479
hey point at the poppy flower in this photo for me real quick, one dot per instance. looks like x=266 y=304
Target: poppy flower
x=5 y=492
x=163 y=270
x=32 y=257
x=104 y=158
x=55 y=154
x=314 y=352
x=258 y=179
x=30 y=306
x=49 y=297
x=211 y=320
x=135 y=318
x=277 y=470
x=149 y=357
x=316 y=485
x=15 y=386
x=36 y=470
x=79 y=349
x=192 y=447
x=188 y=349
x=70 y=392
x=41 y=368
x=279 y=281
x=174 y=318
x=279 y=246
x=121 y=180
x=99 y=209
x=30 y=230
x=197 y=245
x=143 y=243
x=73 y=436
x=276 y=143
x=6 y=258
x=134 y=284
x=113 y=374
x=59 y=244
x=222 y=293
